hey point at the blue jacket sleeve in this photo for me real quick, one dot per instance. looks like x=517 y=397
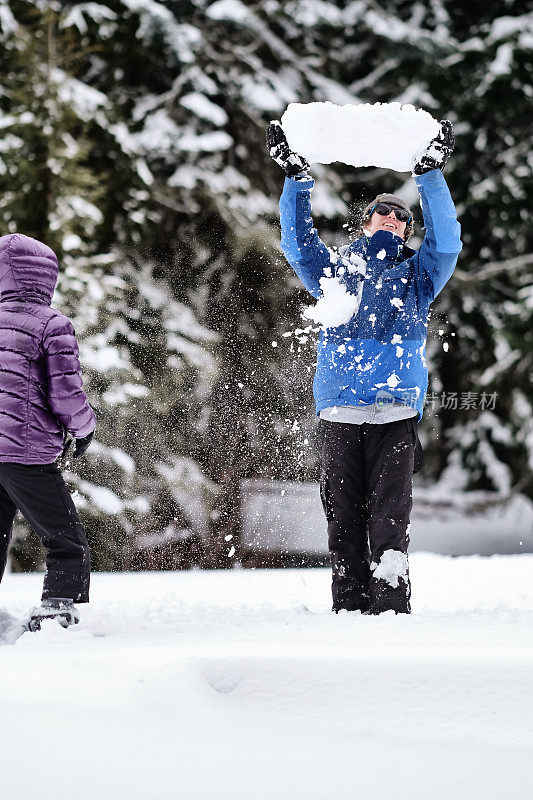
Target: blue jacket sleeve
x=300 y=243
x=438 y=254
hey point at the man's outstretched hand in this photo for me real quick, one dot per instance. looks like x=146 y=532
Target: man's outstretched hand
x=278 y=147
x=438 y=151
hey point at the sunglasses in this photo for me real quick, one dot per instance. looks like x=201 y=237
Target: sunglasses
x=383 y=209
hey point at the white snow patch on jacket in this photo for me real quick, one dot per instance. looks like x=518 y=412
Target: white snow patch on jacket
x=336 y=306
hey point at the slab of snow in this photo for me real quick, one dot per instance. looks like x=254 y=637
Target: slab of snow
x=193 y=684
x=386 y=135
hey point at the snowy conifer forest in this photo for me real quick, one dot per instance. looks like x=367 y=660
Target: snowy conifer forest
x=133 y=143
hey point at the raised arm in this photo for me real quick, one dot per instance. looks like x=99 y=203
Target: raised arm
x=66 y=397
x=300 y=243
x=442 y=244
x=438 y=254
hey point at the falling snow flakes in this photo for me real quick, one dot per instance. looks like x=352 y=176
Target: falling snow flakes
x=396 y=302
x=341 y=349
x=399 y=352
x=396 y=339
x=381 y=255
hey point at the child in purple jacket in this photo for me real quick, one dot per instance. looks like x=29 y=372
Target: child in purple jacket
x=41 y=402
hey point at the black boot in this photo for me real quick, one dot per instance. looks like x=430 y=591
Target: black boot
x=390 y=588
x=61 y=609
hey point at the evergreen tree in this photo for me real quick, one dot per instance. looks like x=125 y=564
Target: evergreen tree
x=70 y=180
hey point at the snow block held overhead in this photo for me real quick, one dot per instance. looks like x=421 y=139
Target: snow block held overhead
x=387 y=135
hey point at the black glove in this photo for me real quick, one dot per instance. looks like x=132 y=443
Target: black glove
x=67 y=442
x=279 y=150
x=82 y=445
x=438 y=151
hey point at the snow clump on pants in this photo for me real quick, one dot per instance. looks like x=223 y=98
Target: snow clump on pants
x=392 y=568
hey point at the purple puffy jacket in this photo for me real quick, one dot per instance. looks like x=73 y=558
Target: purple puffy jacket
x=41 y=392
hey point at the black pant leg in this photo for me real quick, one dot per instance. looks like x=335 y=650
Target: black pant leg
x=8 y=511
x=42 y=496
x=389 y=458
x=343 y=498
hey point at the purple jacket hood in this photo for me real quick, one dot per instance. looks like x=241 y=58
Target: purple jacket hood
x=28 y=269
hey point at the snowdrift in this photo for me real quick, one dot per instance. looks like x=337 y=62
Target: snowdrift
x=242 y=684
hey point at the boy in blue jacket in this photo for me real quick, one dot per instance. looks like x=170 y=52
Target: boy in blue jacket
x=371 y=374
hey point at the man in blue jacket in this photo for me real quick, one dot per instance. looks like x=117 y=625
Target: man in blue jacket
x=371 y=375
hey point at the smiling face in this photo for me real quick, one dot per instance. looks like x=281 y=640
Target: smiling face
x=378 y=222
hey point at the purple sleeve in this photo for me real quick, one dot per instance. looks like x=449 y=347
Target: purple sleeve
x=66 y=397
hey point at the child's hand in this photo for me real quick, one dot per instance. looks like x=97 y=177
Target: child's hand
x=66 y=444
x=82 y=445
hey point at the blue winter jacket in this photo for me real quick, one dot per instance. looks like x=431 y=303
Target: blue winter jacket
x=380 y=354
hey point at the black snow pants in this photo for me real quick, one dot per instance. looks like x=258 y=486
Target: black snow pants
x=42 y=496
x=366 y=491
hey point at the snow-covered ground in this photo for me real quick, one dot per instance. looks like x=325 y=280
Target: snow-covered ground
x=242 y=685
